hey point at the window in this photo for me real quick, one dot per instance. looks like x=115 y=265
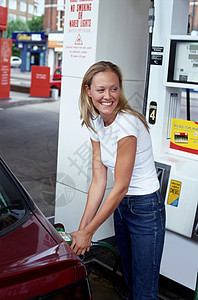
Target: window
x=30 y=9
x=12 y=4
x=23 y=18
x=12 y=207
x=60 y=20
x=2 y=3
x=23 y=6
x=11 y=17
x=58 y=71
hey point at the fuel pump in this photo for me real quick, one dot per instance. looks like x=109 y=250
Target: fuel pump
x=174 y=69
x=124 y=43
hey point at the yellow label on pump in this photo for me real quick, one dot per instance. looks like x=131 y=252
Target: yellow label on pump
x=184 y=136
x=174 y=193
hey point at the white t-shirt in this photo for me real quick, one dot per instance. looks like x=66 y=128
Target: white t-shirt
x=144 y=178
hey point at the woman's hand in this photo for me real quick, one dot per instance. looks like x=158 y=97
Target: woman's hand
x=81 y=241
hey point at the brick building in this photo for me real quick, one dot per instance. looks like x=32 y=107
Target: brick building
x=53 y=25
x=54 y=15
x=24 y=9
x=193 y=15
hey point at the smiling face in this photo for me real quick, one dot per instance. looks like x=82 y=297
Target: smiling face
x=105 y=92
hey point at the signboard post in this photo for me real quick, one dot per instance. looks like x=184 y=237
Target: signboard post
x=40 y=86
x=5 y=54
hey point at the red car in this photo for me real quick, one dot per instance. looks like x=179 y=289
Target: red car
x=35 y=262
x=56 y=80
x=57 y=74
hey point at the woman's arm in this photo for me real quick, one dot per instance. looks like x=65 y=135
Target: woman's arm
x=126 y=152
x=97 y=187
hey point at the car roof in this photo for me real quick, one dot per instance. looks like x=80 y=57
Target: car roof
x=15 y=57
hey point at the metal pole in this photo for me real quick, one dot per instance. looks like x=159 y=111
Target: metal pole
x=150 y=28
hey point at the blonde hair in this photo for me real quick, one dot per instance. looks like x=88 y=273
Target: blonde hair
x=88 y=110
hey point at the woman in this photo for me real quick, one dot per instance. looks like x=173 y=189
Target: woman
x=121 y=142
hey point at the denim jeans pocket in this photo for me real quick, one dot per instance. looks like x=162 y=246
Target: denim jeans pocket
x=143 y=209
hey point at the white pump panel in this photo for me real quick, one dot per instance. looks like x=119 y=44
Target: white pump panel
x=94 y=30
x=179 y=261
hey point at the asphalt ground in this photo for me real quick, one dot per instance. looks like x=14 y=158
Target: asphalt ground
x=99 y=261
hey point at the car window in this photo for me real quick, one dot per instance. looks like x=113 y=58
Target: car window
x=12 y=206
x=58 y=71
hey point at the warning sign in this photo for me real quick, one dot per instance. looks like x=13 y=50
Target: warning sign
x=80 y=31
x=79 y=40
x=174 y=193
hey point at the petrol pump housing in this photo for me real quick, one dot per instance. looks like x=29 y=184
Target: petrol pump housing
x=176 y=163
x=97 y=34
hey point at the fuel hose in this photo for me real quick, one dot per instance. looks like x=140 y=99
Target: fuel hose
x=117 y=265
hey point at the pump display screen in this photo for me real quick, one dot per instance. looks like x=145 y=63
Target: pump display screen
x=183 y=62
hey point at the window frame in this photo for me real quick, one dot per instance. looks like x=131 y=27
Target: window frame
x=26 y=200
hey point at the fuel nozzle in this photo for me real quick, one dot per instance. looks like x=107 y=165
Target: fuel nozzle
x=65 y=235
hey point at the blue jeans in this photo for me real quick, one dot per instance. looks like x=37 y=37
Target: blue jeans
x=139 y=228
